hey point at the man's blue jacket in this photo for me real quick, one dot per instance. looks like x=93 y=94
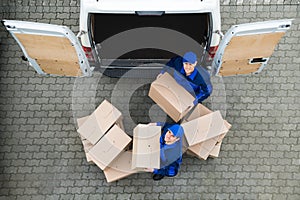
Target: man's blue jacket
x=198 y=83
x=170 y=155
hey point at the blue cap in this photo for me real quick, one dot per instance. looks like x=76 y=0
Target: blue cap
x=177 y=130
x=190 y=57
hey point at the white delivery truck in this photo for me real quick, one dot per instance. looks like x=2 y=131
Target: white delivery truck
x=121 y=35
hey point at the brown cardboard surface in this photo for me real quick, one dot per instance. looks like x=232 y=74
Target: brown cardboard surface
x=199 y=111
x=146 y=146
x=228 y=126
x=99 y=122
x=86 y=144
x=171 y=97
x=216 y=150
x=185 y=144
x=203 y=149
x=206 y=148
x=209 y=147
x=119 y=122
x=120 y=167
x=81 y=120
x=204 y=128
x=109 y=147
x=189 y=152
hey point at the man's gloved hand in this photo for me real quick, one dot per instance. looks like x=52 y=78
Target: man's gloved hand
x=152 y=124
x=148 y=169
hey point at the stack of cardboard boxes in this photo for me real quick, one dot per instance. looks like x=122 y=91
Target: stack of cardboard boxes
x=106 y=144
x=203 y=128
x=204 y=132
x=104 y=139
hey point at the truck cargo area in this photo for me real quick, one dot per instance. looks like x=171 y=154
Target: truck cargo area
x=159 y=37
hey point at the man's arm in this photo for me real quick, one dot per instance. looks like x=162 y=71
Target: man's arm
x=204 y=90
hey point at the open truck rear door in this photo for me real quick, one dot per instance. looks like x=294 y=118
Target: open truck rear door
x=246 y=48
x=50 y=49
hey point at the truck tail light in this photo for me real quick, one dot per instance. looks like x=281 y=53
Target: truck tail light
x=212 y=52
x=88 y=53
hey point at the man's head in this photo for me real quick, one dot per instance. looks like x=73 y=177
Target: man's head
x=174 y=133
x=189 y=62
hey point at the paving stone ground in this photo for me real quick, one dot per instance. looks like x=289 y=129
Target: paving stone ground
x=41 y=156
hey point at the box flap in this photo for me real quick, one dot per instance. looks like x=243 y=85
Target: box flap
x=99 y=122
x=204 y=128
x=86 y=144
x=109 y=146
x=81 y=120
x=169 y=95
x=216 y=150
x=146 y=146
x=120 y=167
x=184 y=98
x=175 y=100
x=203 y=149
x=199 y=111
x=164 y=104
x=228 y=126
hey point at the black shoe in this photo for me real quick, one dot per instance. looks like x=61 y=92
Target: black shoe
x=157 y=177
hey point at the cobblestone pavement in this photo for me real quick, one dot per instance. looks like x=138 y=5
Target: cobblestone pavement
x=41 y=156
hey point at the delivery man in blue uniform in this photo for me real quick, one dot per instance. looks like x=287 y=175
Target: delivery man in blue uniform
x=195 y=79
x=170 y=151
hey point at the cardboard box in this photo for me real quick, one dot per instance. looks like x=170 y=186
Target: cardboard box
x=86 y=144
x=98 y=123
x=228 y=126
x=199 y=111
x=81 y=120
x=146 y=146
x=203 y=149
x=109 y=147
x=189 y=152
x=204 y=128
x=171 y=97
x=210 y=147
x=120 y=167
x=216 y=150
x=119 y=122
x=185 y=145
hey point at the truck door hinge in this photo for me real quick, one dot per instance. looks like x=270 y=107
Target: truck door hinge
x=81 y=33
x=219 y=33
